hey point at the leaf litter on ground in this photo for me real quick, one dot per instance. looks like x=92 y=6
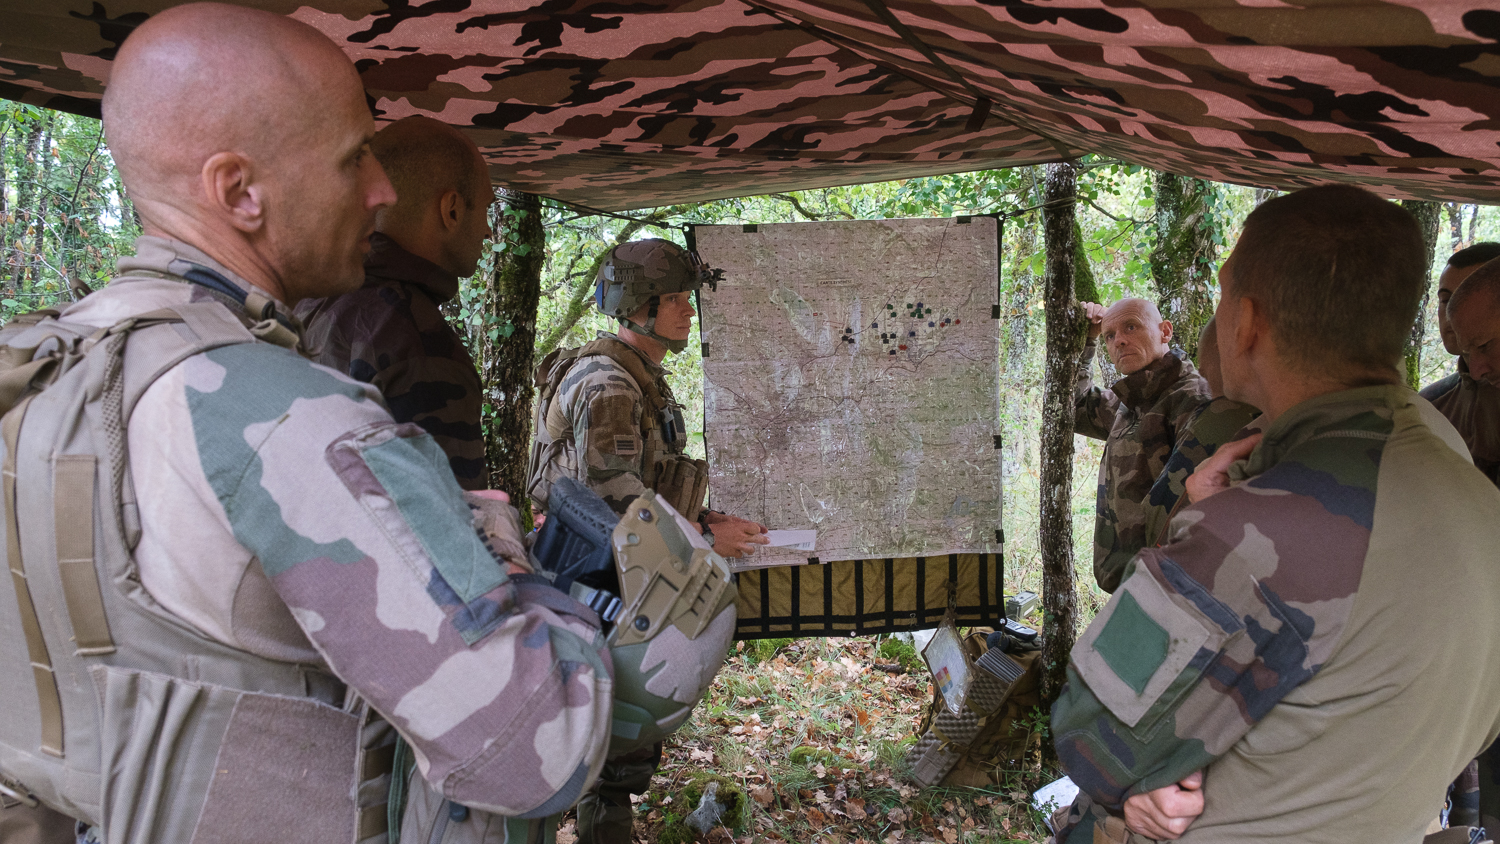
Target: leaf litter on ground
x=815 y=736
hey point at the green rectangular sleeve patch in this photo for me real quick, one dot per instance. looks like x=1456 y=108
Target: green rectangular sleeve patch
x=414 y=472
x=1142 y=641
x=1132 y=643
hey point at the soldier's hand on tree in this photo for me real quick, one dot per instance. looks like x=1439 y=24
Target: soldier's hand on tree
x=1212 y=475
x=1164 y=814
x=1095 y=312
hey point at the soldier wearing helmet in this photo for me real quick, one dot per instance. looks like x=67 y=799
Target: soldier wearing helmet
x=606 y=417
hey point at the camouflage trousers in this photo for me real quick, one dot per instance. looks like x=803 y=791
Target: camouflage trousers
x=605 y=815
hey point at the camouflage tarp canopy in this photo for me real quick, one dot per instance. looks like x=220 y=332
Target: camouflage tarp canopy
x=622 y=105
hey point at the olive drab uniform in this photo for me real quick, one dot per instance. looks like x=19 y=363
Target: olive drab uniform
x=606 y=417
x=1276 y=641
x=1141 y=418
x=229 y=558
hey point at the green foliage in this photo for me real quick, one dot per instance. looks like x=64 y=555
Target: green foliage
x=757 y=651
x=64 y=216
x=892 y=649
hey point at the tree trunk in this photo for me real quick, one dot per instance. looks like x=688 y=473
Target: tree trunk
x=1455 y=226
x=1182 y=264
x=509 y=336
x=28 y=171
x=1429 y=217
x=43 y=206
x=1065 y=336
x=1023 y=282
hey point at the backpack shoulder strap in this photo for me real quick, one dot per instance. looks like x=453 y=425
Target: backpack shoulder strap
x=633 y=363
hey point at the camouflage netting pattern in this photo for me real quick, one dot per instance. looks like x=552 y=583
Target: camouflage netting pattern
x=628 y=105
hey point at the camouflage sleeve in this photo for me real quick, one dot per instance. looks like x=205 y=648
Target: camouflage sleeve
x=445 y=397
x=1093 y=408
x=1212 y=425
x=604 y=406
x=1208 y=633
x=502 y=685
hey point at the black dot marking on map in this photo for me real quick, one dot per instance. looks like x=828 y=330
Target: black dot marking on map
x=891 y=352
x=911 y=333
x=930 y=324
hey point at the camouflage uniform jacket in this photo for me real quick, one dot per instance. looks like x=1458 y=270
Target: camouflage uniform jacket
x=1474 y=409
x=285 y=513
x=593 y=429
x=390 y=333
x=1140 y=418
x=1277 y=642
x=1214 y=424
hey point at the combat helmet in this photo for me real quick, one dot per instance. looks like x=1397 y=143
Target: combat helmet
x=640 y=273
x=666 y=597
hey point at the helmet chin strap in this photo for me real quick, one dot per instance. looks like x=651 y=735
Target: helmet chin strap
x=676 y=347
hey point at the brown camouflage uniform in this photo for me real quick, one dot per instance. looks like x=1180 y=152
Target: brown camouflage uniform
x=594 y=430
x=1271 y=642
x=285 y=514
x=1474 y=409
x=390 y=333
x=1214 y=424
x=1140 y=418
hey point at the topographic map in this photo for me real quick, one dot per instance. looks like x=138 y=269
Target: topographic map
x=852 y=385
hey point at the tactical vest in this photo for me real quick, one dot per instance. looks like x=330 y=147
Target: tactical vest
x=116 y=712
x=679 y=479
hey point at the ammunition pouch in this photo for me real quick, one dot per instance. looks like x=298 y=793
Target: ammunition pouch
x=682 y=482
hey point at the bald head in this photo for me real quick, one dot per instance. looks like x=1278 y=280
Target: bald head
x=241 y=132
x=1135 y=334
x=443 y=192
x=197 y=79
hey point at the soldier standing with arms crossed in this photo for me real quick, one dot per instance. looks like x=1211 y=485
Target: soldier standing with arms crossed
x=606 y=417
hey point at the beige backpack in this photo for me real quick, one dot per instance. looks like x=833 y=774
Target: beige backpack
x=116 y=712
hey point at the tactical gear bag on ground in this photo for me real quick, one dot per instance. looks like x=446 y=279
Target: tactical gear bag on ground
x=117 y=712
x=990 y=735
x=681 y=480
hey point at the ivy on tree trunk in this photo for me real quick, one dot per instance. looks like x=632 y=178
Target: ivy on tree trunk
x=1429 y=216
x=505 y=359
x=1066 y=331
x=1182 y=263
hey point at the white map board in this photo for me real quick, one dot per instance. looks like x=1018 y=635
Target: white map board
x=852 y=384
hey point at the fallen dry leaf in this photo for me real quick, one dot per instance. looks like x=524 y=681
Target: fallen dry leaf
x=816 y=818
x=855 y=809
x=764 y=795
x=950 y=835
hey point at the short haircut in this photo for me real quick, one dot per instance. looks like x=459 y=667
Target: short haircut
x=423 y=158
x=1479 y=253
x=1484 y=280
x=1339 y=273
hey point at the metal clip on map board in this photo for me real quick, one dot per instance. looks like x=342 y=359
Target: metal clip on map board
x=952 y=670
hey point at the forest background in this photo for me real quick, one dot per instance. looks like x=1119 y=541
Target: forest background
x=65 y=219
